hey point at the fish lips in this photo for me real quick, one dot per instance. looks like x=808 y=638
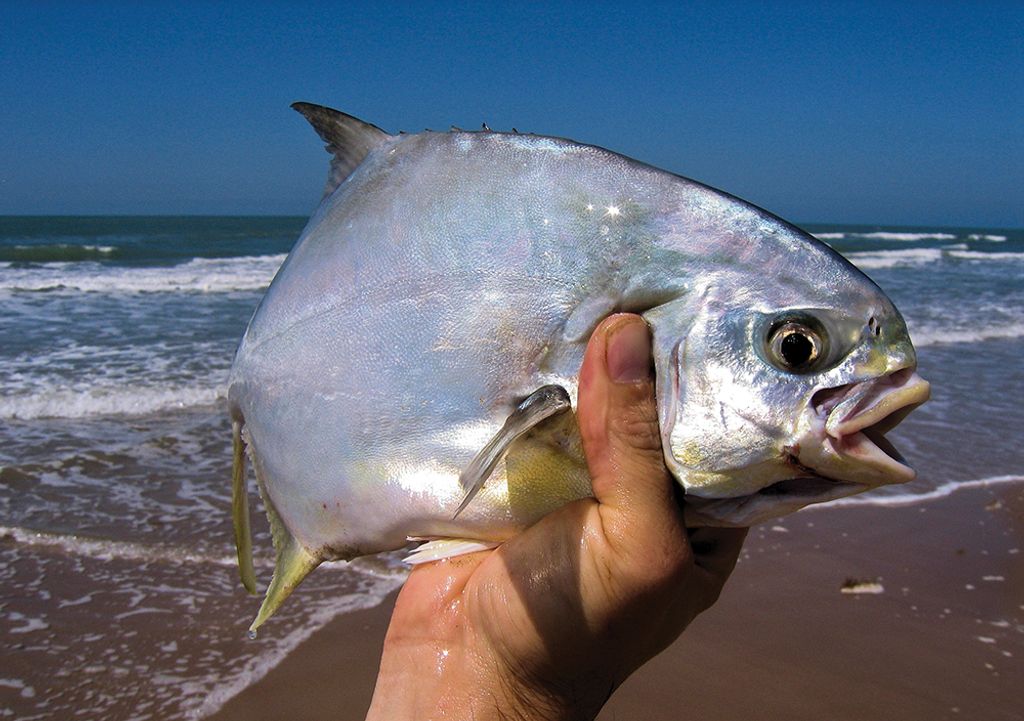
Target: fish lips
x=843 y=451
x=847 y=426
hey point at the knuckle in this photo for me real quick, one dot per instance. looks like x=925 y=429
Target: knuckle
x=637 y=425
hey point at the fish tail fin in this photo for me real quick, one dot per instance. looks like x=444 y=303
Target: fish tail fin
x=293 y=564
x=240 y=509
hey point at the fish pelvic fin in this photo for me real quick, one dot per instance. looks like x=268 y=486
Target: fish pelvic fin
x=435 y=550
x=293 y=564
x=349 y=140
x=240 y=509
x=537 y=407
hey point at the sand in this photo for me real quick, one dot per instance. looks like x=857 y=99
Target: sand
x=944 y=639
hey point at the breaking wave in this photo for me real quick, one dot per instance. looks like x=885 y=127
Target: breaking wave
x=980 y=255
x=875 y=259
x=931 y=335
x=57 y=252
x=106 y=550
x=105 y=401
x=888 y=235
x=910 y=499
x=199 y=275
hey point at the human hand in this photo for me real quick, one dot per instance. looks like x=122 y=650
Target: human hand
x=547 y=625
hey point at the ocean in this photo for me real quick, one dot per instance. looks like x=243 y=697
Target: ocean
x=119 y=592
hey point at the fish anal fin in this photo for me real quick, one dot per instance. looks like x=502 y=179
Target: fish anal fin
x=293 y=564
x=293 y=561
x=240 y=509
x=349 y=140
x=440 y=548
x=537 y=407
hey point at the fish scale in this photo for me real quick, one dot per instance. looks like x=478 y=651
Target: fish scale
x=412 y=370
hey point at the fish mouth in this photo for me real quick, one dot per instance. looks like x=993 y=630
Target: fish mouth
x=842 y=451
x=852 y=421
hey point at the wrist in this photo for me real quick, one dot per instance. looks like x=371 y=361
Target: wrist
x=437 y=684
x=568 y=701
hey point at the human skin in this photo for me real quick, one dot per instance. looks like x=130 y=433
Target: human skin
x=551 y=622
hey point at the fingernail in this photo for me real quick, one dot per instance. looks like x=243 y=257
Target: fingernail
x=628 y=352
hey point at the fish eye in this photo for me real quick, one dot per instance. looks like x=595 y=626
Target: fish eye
x=795 y=346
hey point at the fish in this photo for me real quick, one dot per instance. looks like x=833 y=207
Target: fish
x=411 y=372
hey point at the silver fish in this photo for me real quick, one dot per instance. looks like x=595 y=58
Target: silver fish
x=412 y=369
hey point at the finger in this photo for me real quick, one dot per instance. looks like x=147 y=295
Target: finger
x=619 y=424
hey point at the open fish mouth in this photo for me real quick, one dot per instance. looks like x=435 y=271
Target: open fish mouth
x=854 y=419
x=844 y=452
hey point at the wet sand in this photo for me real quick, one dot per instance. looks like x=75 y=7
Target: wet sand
x=943 y=640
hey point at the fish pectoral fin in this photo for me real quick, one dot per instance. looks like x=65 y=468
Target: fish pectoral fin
x=446 y=548
x=537 y=407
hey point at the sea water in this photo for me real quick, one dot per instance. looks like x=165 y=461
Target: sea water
x=119 y=593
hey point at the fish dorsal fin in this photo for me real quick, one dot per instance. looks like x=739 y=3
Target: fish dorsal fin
x=348 y=139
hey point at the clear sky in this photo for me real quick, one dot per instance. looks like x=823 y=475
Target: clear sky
x=856 y=112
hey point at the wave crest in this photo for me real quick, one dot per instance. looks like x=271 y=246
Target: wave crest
x=106 y=401
x=910 y=499
x=929 y=335
x=902 y=236
x=875 y=259
x=200 y=275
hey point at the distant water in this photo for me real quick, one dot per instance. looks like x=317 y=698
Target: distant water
x=119 y=594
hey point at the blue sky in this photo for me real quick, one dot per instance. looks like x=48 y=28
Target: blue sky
x=860 y=112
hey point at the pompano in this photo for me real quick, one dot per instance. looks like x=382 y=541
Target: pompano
x=412 y=369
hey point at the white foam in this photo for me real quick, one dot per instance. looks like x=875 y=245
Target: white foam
x=907 y=237
x=874 y=259
x=104 y=249
x=259 y=666
x=107 y=550
x=989 y=238
x=979 y=255
x=24 y=690
x=911 y=499
x=104 y=401
x=200 y=275
x=944 y=335
x=376 y=567
x=31 y=624
x=899 y=235
x=71 y=366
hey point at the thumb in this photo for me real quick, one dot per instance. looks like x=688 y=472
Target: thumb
x=618 y=420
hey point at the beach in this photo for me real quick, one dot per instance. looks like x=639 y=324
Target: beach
x=941 y=637
x=119 y=594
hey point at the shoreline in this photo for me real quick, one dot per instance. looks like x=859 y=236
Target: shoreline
x=943 y=639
